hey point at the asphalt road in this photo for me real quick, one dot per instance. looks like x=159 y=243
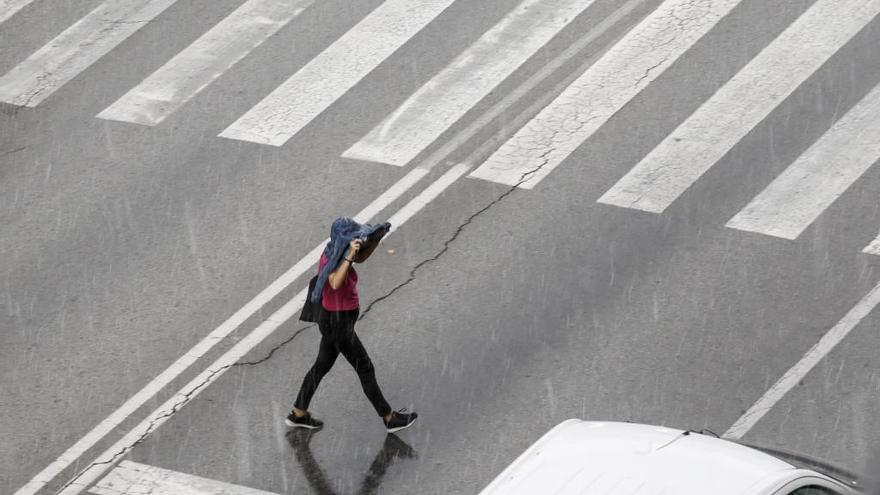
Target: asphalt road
x=495 y=312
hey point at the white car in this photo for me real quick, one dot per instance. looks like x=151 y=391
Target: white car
x=610 y=458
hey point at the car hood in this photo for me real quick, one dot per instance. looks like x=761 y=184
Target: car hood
x=585 y=458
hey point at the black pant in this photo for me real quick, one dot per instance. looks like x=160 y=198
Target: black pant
x=337 y=336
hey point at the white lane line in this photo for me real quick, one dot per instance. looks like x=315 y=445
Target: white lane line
x=794 y=375
x=9 y=8
x=206 y=59
x=333 y=72
x=874 y=247
x=132 y=478
x=71 y=455
x=603 y=89
x=794 y=200
x=74 y=50
x=740 y=105
x=440 y=102
x=189 y=391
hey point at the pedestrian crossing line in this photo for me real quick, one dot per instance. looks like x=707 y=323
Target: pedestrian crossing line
x=440 y=102
x=77 y=48
x=741 y=104
x=874 y=247
x=206 y=59
x=794 y=200
x=312 y=89
x=641 y=56
x=9 y=8
x=133 y=478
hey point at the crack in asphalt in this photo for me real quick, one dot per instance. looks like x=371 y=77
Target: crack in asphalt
x=412 y=274
x=16 y=150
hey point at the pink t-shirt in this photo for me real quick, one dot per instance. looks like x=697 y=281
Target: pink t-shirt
x=346 y=296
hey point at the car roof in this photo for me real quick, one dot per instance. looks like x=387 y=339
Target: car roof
x=585 y=458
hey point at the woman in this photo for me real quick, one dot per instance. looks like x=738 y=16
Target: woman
x=336 y=287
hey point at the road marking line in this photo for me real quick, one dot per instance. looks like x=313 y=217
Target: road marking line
x=333 y=72
x=206 y=344
x=741 y=104
x=189 y=391
x=206 y=59
x=602 y=90
x=794 y=200
x=9 y=8
x=133 y=478
x=874 y=247
x=440 y=102
x=797 y=372
x=74 y=50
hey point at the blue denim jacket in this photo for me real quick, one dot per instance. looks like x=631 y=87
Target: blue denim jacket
x=342 y=232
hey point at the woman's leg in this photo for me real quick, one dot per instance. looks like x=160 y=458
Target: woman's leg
x=327 y=353
x=353 y=350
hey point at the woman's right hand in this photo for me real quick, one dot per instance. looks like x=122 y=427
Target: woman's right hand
x=354 y=246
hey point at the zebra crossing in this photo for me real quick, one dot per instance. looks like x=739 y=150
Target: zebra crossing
x=788 y=205
x=740 y=105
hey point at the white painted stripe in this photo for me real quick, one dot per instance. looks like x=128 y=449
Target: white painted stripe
x=440 y=102
x=797 y=372
x=9 y=8
x=874 y=247
x=132 y=478
x=336 y=70
x=203 y=61
x=819 y=176
x=740 y=105
x=74 y=50
x=206 y=344
x=616 y=78
x=189 y=391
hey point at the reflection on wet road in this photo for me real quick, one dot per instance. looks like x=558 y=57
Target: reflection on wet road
x=394 y=447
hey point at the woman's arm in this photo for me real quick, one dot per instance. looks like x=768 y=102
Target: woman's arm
x=337 y=277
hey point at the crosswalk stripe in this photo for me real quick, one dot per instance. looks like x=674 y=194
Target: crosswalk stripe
x=618 y=76
x=874 y=247
x=464 y=82
x=206 y=59
x=74 y=50
x=819 y=176
x=9 y=8
x=336 y=70
x=741 y=104
x=134 y=478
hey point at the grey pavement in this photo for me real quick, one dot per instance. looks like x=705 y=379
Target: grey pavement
x=122 y=246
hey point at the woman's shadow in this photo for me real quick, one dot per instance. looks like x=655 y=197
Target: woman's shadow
x=393 y=447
